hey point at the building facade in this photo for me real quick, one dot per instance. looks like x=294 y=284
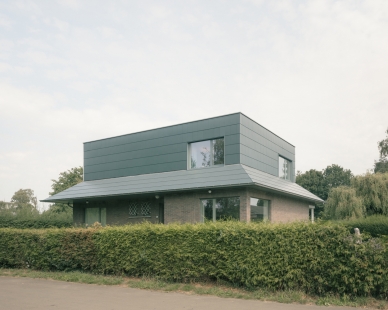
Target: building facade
x=226 y=167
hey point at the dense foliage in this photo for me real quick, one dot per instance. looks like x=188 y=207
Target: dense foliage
x=24 y=199
x=375 y=225
x=65 y=180
x=373 y=190
x=318 y=259
x=36 y=223
x=382 y=164
x=321 y=182
x=343 y=203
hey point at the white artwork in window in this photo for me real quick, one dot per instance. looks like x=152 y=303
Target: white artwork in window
x=284 y=169
x=206 y=153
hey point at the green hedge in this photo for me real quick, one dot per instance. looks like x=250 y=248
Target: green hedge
x=375 y=225
x=9 y=222
x=318 y=259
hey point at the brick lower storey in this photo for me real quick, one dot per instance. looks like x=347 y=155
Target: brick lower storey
x=185 y=207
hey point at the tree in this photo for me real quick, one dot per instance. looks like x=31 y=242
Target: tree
x=313 y=181
x=335 y=176
x=383 y=146
x=343 y=204
x=382 y=164
x=66 y=180
x=24 y=203
x=373 y=189
x=320 y=183
x=24 y=199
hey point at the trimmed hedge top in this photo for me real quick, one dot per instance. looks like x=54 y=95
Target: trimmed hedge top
x=318 y=259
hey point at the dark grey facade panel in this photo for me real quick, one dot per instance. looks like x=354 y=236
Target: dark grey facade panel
x=231 y=159
x=159 y=150
x=268 y=135
x=260 y=148
x=259 y=140
x=251 y=162
x=137 y=162
x=222 y=121
x=165 y=149
x=258 y=154
x=162 y=150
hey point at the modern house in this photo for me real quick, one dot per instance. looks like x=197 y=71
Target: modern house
x=212 y=169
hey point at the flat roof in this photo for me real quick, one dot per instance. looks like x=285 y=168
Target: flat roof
x=204 y=119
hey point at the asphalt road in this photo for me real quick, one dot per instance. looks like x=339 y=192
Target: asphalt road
x=25 y=293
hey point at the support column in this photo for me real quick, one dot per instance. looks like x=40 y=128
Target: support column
x=312 y=212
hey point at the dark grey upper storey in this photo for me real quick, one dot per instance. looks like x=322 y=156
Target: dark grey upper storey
x=165 y=149
x=212 y=177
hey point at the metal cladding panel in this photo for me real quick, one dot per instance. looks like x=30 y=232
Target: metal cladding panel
x=229 y=175
x=277 y=184
x=158 y=150
x=260 y=148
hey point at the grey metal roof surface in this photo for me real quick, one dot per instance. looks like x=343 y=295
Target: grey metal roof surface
x=228 y=175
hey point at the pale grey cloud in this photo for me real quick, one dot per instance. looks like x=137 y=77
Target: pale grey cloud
x=313 y=72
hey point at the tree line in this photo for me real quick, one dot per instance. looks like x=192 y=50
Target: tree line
x=24 y=203
x=348 y=196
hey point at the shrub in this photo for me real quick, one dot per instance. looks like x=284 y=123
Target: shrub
x=48 y=249
x=343 y=203
x=373 y=189
x=375 y=225
x=318 y=259
x=21 y=223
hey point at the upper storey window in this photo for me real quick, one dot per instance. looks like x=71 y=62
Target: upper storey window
x=206 y=153
x=284 y=169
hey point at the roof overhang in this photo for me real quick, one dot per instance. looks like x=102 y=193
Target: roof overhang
x=182 y=180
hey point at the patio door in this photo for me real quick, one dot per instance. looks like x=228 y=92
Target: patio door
x=93 y=215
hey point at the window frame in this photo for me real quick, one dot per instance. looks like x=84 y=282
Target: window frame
x=214 y=210
x=101 y=215
x=269 y=209
x=203 y=140
x=138 y=209
x=290 y=168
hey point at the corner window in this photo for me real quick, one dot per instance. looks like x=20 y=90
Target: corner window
x=259 y=210
x=206 y=153
x=220 y=209
x=284 y=169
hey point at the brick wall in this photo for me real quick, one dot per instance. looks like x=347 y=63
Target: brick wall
x=117 y=211
x=185 y=207
x=283 y=208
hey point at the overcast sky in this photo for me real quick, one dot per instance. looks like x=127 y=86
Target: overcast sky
x=313 y=72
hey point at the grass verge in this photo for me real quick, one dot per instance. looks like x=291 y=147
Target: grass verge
x=219 y=289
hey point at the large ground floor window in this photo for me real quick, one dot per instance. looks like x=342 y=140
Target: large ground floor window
x=220 y=209
x=93 y=215
x=260 y=210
